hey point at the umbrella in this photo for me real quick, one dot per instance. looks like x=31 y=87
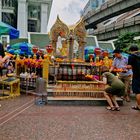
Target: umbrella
x=22 y=45
x=8 y=29
x=89 y=49
x=21 y=48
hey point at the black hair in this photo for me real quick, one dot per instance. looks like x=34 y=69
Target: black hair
x=133 y=48
x=117 y=51
x=2 y=50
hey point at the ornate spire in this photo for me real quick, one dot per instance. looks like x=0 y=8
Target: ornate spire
x=59 y=29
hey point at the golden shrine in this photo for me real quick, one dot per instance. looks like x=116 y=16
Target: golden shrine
x=71 y=77
x=68 y=42
x=63 y=64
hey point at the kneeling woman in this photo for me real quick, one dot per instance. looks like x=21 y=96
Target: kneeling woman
x=116 y=88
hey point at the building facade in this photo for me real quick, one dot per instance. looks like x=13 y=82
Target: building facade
x=8 y=12
x=26 y=15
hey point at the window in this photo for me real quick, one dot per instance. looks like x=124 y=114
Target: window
x=34 y=11
x=34 y=17
x=32 y=25
x=9 y=19
x=8 y=3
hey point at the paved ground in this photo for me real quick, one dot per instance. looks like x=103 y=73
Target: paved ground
x=20 y=119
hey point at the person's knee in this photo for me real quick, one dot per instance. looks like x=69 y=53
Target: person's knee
x=107 y=94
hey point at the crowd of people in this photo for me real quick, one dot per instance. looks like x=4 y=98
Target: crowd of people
x=120 y=85
x=5 y=63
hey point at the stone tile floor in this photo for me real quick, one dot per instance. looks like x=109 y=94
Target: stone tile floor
x=21 y=119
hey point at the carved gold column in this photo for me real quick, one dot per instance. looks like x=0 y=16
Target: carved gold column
x=17 y=61
x=71 y=41
x=80 y=34
x=45 y=69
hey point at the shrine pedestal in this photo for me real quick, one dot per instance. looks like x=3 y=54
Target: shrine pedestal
x=78 y=93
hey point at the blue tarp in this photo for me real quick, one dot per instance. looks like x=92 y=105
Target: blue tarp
x=8 y=29
x=21 y=48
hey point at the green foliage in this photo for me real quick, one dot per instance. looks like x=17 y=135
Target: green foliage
x=125 y=40
x=138 y=43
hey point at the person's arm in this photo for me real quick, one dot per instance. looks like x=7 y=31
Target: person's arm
x=113 y=65
x=129 y=67
x=104 y=81
x=111 y=69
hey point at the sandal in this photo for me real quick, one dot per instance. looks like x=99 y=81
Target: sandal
x=110 y=108
x=117 y=108
x=135 y=107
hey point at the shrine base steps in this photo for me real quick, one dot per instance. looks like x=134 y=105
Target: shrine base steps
x=78 y=98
